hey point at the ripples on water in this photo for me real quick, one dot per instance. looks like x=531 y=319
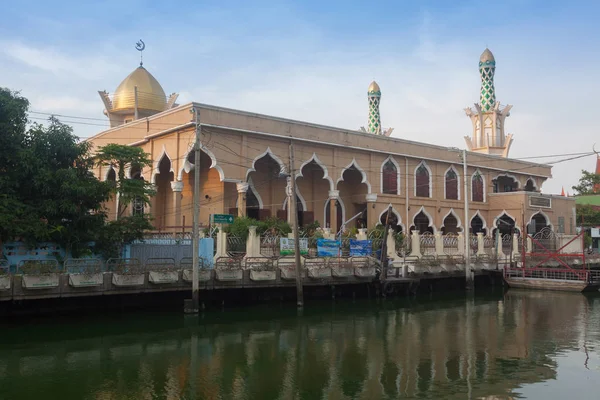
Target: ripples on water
x=519 y=345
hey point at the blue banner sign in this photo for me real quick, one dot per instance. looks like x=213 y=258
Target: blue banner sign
x=360 y=248
x=328 y=248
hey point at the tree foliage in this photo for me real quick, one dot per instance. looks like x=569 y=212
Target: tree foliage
x=47 y=189
x=587 y=181
x=122 y=159
x=588 y=215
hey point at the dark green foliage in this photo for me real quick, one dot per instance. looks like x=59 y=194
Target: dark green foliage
x=271 y=226
x=116 y=233
x=586 y=183
x=123 y=157
x=47 y=189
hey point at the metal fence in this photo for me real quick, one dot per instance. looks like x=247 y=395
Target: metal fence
x=125 y=265
x=269 y=246
x=38 y=267
x=161 y=264
x=83 y=266
x=544 y=240
x=236 y=247
x=451 y=244
x=427 y=244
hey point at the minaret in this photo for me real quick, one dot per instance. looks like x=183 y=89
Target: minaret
x=488 y=115
x=374 y=94
x=487 y=69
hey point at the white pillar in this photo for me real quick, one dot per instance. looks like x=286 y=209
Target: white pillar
x=416 y=244
x=480 y=244
x=221 y=243
x=177 y=188
x=362 y=234
x=461 y=244
x=391 y=244
x=371 y=199
x=439 y=244
x=252 y=243
x=242 y=188
x=516 y=254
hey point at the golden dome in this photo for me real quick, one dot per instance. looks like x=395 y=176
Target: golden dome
x=374 y=87
x=487 y=56
x=151 y=95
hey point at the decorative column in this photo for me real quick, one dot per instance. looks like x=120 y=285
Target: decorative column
x=480 y=244
x=242 y=189
x=362 y=234
x=391 y=245
x=371 y=217
x=177 y=188
x=334 y=195
x=461 y=244
x=515 y=246
x=439 y=244
x=221 y=244
x=416 y=243
x=252 y=243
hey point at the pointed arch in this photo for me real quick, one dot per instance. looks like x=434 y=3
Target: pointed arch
x=423 y=164
x=455 y=215
x=187 y=166
x=316 y=160
x=282 y=167
x=478 y=214
x=533 y=185
x=478 y=194
x=300 y=197
x=429 y=216
x=504 y=212
x=156 y=169
x=381 y=175
x=543 y=214
x=354 y=164
x=505 y=175
x=396 y=213
x=256 y=194
x=326 y=207
x=453 y=169
x=108 y=171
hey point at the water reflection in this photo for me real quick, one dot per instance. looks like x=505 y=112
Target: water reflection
x=452 y=349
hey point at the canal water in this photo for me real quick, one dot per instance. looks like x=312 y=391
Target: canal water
x=531 y=345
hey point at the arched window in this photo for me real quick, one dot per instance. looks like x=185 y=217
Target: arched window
x=389 y=178
x=451 y=185
x=530 y=186
x=477 y=187
x=422 y=181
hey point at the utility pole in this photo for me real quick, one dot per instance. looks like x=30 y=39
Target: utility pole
x=467 y=224
x=294 y=211
x=196 y=218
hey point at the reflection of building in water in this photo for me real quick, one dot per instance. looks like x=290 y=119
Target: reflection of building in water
x=465 y=349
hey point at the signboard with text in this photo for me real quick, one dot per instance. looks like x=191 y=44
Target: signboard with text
x=328 y=248
x=222 y=219
x=286 y=246
x=360 y=248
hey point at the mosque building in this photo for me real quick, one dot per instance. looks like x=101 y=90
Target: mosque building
x=340 y=173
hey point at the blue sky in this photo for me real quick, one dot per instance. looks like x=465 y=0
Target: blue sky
x=313 y=61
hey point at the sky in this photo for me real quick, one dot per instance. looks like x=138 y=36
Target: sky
x=313 y=61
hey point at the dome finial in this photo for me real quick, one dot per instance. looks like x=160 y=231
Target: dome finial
x=140 y=46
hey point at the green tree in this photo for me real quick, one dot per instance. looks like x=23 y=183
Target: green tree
x=587 y=181
x=588 y=215
x=126 y=228
x=47 y=190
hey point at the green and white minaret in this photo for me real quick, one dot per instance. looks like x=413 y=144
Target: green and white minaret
x=374 y=94
x=487 y=69
x=489 y=115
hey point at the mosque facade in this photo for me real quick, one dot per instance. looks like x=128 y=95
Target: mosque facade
x=344 y=178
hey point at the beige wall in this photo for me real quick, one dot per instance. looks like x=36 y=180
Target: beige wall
x=234 y=142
